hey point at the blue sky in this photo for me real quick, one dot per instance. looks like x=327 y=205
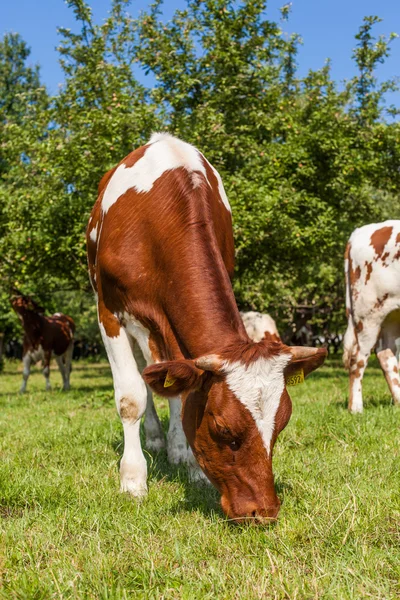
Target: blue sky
x=327 y=28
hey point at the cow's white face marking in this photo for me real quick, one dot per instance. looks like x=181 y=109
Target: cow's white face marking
x=164 y=153
x=93 y=234
x=259 y=387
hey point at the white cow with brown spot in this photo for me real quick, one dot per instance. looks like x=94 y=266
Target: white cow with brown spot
x=372 y=269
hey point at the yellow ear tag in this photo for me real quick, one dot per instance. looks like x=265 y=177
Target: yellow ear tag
x=169 y=380
x=295 y=378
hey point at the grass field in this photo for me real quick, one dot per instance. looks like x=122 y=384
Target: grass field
x=67 y=532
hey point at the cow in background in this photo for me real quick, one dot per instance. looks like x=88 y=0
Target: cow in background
x=161 y=255
x=44 y=336
x=372 y=270
x=260 y=326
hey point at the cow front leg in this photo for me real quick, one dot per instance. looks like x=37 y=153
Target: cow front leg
x=176 y=439
x=46 y=370
x=26 y=369
x=390 y=369
x=130 y=397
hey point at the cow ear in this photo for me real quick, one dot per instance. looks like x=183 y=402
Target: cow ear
x=305 y=360
x=172 y=378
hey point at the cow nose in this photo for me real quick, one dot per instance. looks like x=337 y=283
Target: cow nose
x=246 y=511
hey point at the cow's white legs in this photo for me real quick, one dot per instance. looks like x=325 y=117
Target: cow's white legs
x=176 y=439
x=152 y=426
x=390 y=369
x=154 y=434
x=61 y=366
x=46 y=370
x=130 y=397
x=358 y=361
x=26 y=369
x=67 y=365
x=386 y=352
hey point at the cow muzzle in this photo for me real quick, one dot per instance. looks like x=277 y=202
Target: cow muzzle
x=247 y=511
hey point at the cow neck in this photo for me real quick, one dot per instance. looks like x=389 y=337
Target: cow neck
x=32 y=325
x=200 y=310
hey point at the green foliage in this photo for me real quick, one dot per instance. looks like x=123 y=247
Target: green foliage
x=304 y=162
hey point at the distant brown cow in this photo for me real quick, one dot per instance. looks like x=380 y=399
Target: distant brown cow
x=161 y=254
x=44 y=336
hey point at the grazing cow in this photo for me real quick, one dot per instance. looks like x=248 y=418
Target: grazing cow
x=160 y=253
x=42 y=337
x=260 y=326
x=372 y=269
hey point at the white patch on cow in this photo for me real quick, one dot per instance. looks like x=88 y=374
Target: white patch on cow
x=140 y=333
x=221 y=189
x=93 y=234
x=256 y=324
x=164 y=153
x=259 y=387
x=36 y=354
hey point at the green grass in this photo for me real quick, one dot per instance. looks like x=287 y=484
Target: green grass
x=67 y=532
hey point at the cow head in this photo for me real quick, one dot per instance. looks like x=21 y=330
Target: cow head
x=235 y=404
x=25 y=304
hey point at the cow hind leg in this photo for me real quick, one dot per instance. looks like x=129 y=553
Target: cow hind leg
x=176 y=439
x=61 y=367
x=46 y=370
x=152 y=427
x=386 y=352
x=26 y=369
x=67 y=362
x=357 y=363
x=130 y=397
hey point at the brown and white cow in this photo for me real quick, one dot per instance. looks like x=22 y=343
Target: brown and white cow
x=260 y=326
x=160 y=252
x=44 y=336
x=372 y=269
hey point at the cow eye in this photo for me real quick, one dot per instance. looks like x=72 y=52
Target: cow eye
x=234 y=445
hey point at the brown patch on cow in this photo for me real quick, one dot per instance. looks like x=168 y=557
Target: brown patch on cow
x=396 y=382
x=384 y=257
x=395 y=369
x=128 y=409
x=380 y=238
x=134 y=156
x=355 y=274
x=271 y=337
x=110 y=323
x=397 y=255
x=397 y=239
x=368 y=267
x=380 y=302
x=359 y=327
x=347 y=251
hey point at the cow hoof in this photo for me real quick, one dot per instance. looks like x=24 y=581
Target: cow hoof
x=177 y=454
x=356 y=410
x=134 y=488
x=155 y=445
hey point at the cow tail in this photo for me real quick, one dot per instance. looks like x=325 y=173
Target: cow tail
x=350 y=336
